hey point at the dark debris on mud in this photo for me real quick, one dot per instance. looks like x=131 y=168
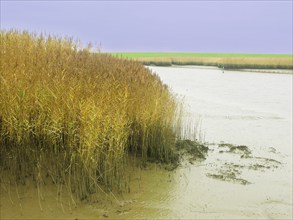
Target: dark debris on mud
x=231 y=171
x=194 y=150
x=224 y=169
x=238 y=149
x=229 y=176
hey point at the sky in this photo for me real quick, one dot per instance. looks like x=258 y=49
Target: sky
x=160 y=26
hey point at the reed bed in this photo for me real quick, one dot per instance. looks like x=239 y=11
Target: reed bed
x=74 y=117
x=229 y=61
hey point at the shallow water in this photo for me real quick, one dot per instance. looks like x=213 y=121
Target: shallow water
x=248 y=108
x=241 y=108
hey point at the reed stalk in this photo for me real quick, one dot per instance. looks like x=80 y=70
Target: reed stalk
x=74 y=116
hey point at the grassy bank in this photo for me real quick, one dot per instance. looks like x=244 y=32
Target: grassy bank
x=229 y=61
x=73 y=117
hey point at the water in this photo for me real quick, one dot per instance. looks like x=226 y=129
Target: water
x=241 y=108
x=248 y=108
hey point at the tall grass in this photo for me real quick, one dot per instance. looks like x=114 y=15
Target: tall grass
x=229 y=61
x=75 y=116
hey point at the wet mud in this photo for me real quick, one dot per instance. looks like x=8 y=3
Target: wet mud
x=155 y=189
x=193 y=151
x=238 y=159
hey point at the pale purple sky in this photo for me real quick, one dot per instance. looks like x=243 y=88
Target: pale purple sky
x=179 y=26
